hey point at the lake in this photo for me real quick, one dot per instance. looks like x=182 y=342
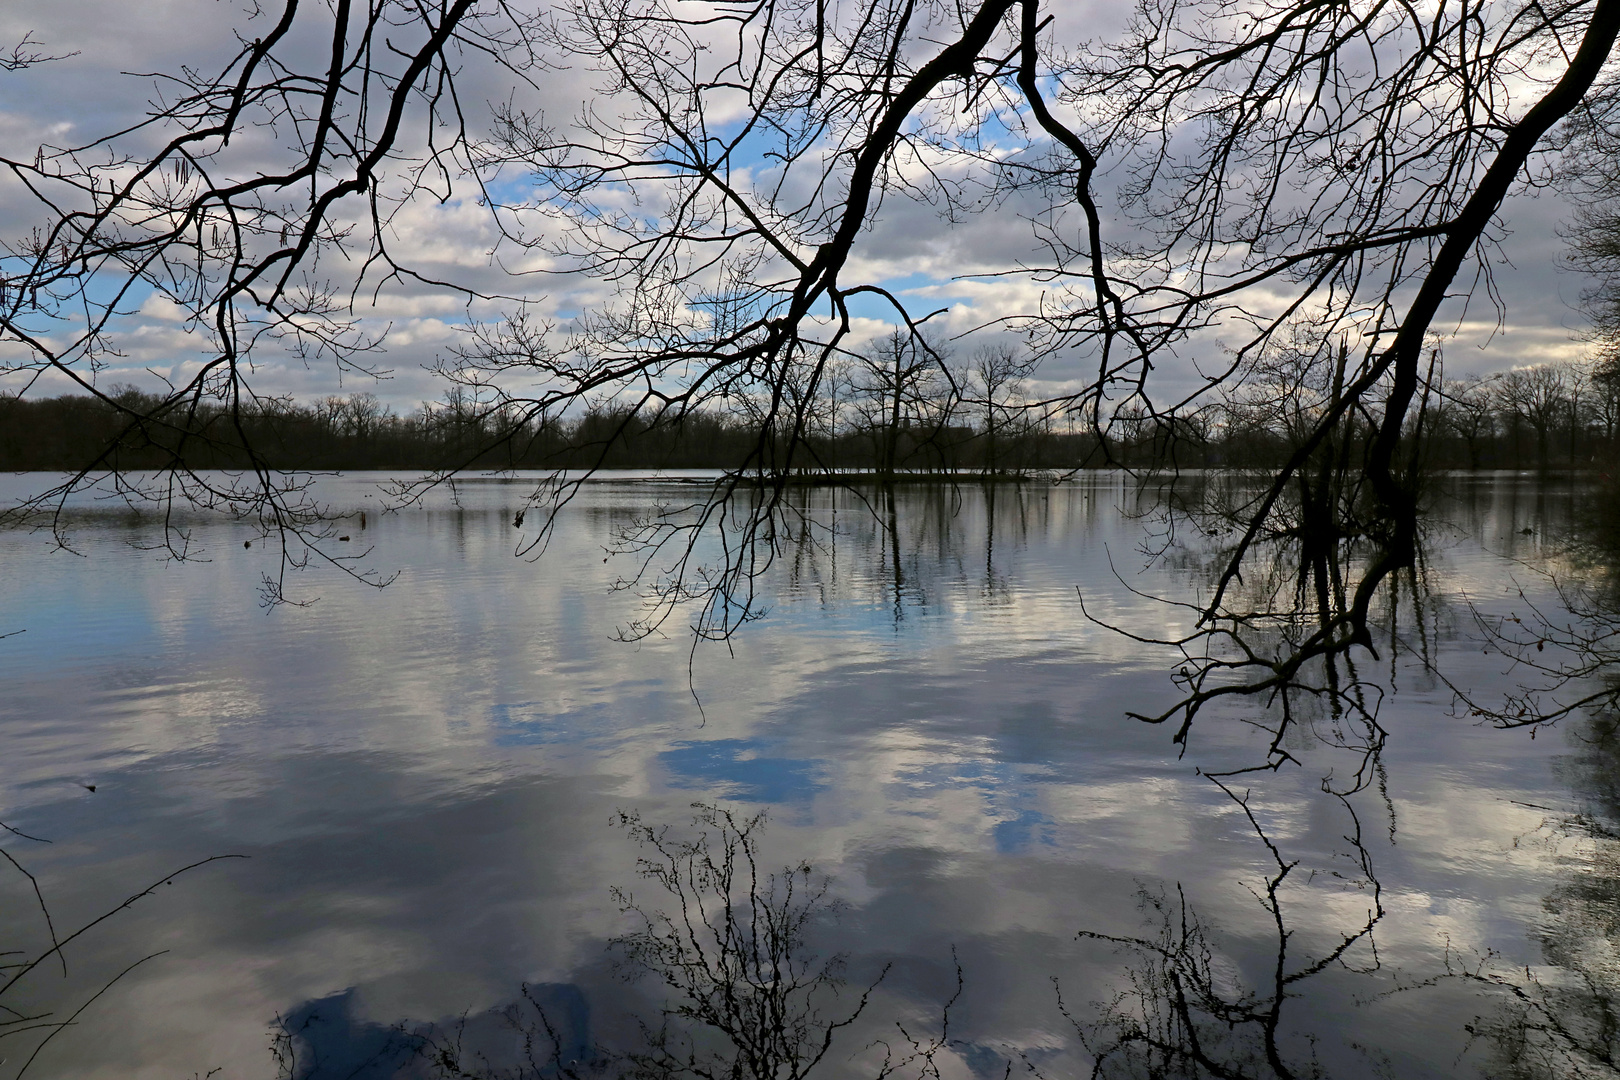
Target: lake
x=425 y=779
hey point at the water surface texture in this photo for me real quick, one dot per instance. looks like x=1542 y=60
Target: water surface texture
x=424 y=780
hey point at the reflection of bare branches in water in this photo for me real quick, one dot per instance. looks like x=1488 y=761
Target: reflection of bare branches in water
x=1561 y=652
x=747 y=999
x=1184 y=1011
x=745 y=995
x=703 y=560
x=1277 y=644
x=1562 y=1019
x=1563 y=1025
x=29 y=1025
x=742 y=995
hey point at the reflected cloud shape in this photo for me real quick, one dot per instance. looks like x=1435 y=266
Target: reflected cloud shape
x=736 y=766
x=1029 y=829
x=328 y=1039
x=534 y=723
x=324 y=1038
x=425 y=776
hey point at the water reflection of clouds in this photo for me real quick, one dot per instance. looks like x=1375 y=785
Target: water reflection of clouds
x=737 y=769
x=1029 y=829
x=536 y=723
x=424 y=775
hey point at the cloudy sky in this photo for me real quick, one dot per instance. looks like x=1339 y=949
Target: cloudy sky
x=106 y=84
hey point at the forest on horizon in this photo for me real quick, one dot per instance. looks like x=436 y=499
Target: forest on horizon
x=883 y=416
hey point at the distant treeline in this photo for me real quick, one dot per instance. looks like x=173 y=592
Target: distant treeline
x=132 y=431
x=1542 y=417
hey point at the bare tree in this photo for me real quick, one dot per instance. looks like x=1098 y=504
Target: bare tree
x=1391 y=191
x=1465 y=408
x=1593 y=178
x=897 y=380
x=1604 y=376
x=1540 y=397
x=998 y=376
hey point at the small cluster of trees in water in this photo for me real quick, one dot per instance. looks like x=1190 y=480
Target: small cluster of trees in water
x=892 y=410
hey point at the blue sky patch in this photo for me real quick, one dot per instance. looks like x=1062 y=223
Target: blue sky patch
x=735 y=765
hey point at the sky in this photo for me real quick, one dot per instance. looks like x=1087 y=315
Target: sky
x=92 y=90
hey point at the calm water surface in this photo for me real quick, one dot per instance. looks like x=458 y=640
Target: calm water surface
x=423 y=778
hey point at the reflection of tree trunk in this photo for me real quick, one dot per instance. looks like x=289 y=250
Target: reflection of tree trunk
x=1319 y=525
x=894 y=553
x=990 y=538
x=832 y=543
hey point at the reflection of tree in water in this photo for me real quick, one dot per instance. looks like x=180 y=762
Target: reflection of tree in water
x=726 y=946
x=1563 y=1020
x=727 y=950
x=747 y=997
x=744 y=999
x=1286 y=642
x=904 y=544
x=1184 y=1013
x=1597 y=524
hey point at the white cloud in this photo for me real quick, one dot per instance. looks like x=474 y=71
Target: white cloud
x=909 y=246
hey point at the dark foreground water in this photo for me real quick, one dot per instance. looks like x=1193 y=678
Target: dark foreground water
x=424 y=780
